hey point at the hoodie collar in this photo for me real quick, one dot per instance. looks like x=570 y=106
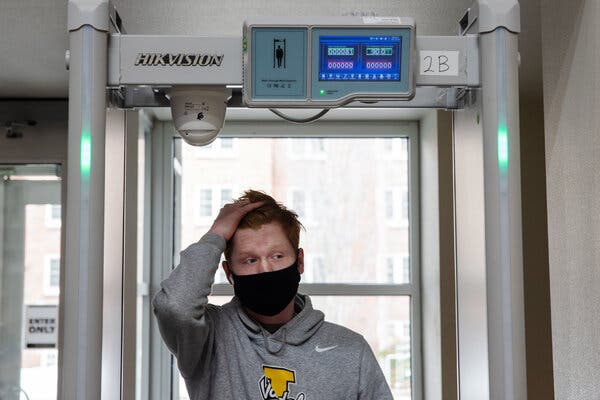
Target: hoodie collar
x=295 y=332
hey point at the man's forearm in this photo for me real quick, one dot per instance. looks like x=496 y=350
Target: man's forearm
x=190 y=283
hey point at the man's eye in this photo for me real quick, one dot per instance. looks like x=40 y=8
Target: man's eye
x=278 y=256
x=249 y=260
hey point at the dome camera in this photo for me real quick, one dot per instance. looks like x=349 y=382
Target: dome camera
x=199 y=112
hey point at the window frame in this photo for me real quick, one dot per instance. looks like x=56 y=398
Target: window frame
x=385 y=128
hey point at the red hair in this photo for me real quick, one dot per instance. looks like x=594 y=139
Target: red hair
x=270 y=211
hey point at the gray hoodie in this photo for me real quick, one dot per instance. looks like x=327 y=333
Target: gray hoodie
x=223 y=354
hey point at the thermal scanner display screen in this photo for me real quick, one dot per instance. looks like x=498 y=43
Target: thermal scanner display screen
x=360 y=58
x=325 y=63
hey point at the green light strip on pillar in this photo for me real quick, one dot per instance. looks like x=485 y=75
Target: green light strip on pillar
x=502 y=146
x=502 y=112
x=86 y=154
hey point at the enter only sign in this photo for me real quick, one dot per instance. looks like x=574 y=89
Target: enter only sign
x=41 y=322
x=438 y=63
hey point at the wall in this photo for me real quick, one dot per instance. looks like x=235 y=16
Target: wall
x=571 y=59
x=33 y=40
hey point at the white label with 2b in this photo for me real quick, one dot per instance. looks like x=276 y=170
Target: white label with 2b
x=443 y=63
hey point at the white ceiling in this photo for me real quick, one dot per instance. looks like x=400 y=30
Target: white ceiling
x=33 y=36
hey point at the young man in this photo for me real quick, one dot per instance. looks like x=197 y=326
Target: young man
x=267 y=343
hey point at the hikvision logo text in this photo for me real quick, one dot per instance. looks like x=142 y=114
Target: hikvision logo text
x=179 y=60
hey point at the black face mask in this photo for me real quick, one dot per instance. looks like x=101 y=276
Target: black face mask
x=267 y=293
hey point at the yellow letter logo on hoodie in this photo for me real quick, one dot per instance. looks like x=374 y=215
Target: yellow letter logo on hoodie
x=275 y=383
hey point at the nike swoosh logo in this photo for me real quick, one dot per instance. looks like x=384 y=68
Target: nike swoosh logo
x=322 y=349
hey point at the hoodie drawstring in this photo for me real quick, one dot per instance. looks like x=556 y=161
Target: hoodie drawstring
x=283 y=342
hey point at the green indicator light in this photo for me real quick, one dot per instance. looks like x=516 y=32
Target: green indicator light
x=86 y=153
x=502 y=147
x=322 y=91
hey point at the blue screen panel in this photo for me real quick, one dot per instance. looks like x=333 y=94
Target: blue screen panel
x=360 y=58
x=349 y=61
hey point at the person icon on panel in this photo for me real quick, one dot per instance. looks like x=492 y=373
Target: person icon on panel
x=268 y=342
x=279 y=55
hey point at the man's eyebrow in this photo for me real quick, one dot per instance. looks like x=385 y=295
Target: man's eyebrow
x=244 y=254
x=280 y=247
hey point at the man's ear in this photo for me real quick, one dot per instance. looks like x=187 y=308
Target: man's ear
x=227 y=271
x=301 y=261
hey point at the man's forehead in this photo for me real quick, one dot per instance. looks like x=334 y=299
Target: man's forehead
x=268 y=235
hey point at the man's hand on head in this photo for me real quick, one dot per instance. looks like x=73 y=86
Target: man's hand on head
x=230 y=216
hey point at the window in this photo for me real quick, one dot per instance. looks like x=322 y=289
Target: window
x=406 y=328
x=397 y=370
x=390 y=269
x=220 y=276
x=395 y=269
x=396 y=205
x=206 y=203
x=306 y=149
x=395 y=148
x=226 y=143
x=405 y=269
x=210 y=200
x=226 y=197
x=405 y=205
x=298 y=203
x=389 y=204
x=222 y=147
x=358 y=271
x=48 y=358
x=318 y=270
x=301 y=202
x=314 y=269
x=395 y=334
x=51 y=275
x=32 y=246
x=53 y=217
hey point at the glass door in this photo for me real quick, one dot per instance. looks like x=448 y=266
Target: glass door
x=30 y=275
